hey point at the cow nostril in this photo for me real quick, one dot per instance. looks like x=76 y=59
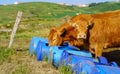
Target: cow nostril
x=81 y=36
x=84 y=36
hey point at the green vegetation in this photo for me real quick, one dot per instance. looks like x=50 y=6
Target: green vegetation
x=39 y=11
x=5 y=54
x=35 y=12
x=65 y=69
x=103 y=7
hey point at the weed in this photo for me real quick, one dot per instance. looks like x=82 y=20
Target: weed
x=65 y=69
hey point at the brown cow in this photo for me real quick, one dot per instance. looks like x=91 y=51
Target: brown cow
x=103 y=33
x=82 y=19
x=55 y=34
x=82 y=23
x=65 y=33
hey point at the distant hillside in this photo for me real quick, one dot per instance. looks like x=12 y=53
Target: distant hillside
x=102 y=7
x=36 y=11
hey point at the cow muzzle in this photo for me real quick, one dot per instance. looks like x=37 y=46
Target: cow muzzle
x=81 y=36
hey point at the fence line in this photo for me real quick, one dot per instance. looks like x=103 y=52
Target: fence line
x=5 y=30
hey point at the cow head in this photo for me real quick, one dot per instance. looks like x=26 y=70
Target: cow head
x=54 y=37
x=82 y=23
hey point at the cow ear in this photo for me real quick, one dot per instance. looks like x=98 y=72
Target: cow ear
x=90 y=23
x=53 y=29
x=62 y=32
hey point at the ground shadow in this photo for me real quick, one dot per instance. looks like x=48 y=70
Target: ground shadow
x=113 y=56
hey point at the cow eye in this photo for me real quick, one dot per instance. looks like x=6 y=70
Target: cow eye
x=54 y=39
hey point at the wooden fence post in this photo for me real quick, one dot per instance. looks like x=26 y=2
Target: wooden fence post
x=15 y=28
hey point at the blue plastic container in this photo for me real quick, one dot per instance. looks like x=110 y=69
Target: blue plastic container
x=79 y=64
x=33 y=44
x=55 y=56
x=42 y=50
x=104 y=69
x=88 y=65
x=114 y=64
x=73 y=50
x=56 y=52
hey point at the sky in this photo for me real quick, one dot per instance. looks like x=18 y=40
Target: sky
x=55 y=1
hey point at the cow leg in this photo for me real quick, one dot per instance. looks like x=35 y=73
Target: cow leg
x=98 y=50
x=92 y=50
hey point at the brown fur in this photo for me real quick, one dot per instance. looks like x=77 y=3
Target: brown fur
x=104 y=32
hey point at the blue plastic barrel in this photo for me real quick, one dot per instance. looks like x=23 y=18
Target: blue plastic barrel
x=80 y=64
x=102 y=60
x=88 y=67
x=104 y=69
x=73 y=50
x=42 y=50
x=114 y=64
x=55 y=55
x=33 y=44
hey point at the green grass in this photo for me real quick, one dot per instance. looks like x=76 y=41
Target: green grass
x=65 y=69
x=5 y=54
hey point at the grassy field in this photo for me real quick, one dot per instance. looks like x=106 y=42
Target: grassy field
x=37 y=20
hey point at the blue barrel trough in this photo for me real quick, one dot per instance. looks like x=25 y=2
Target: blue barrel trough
x=55 y=52
x=34 y=43
x=80 y=61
